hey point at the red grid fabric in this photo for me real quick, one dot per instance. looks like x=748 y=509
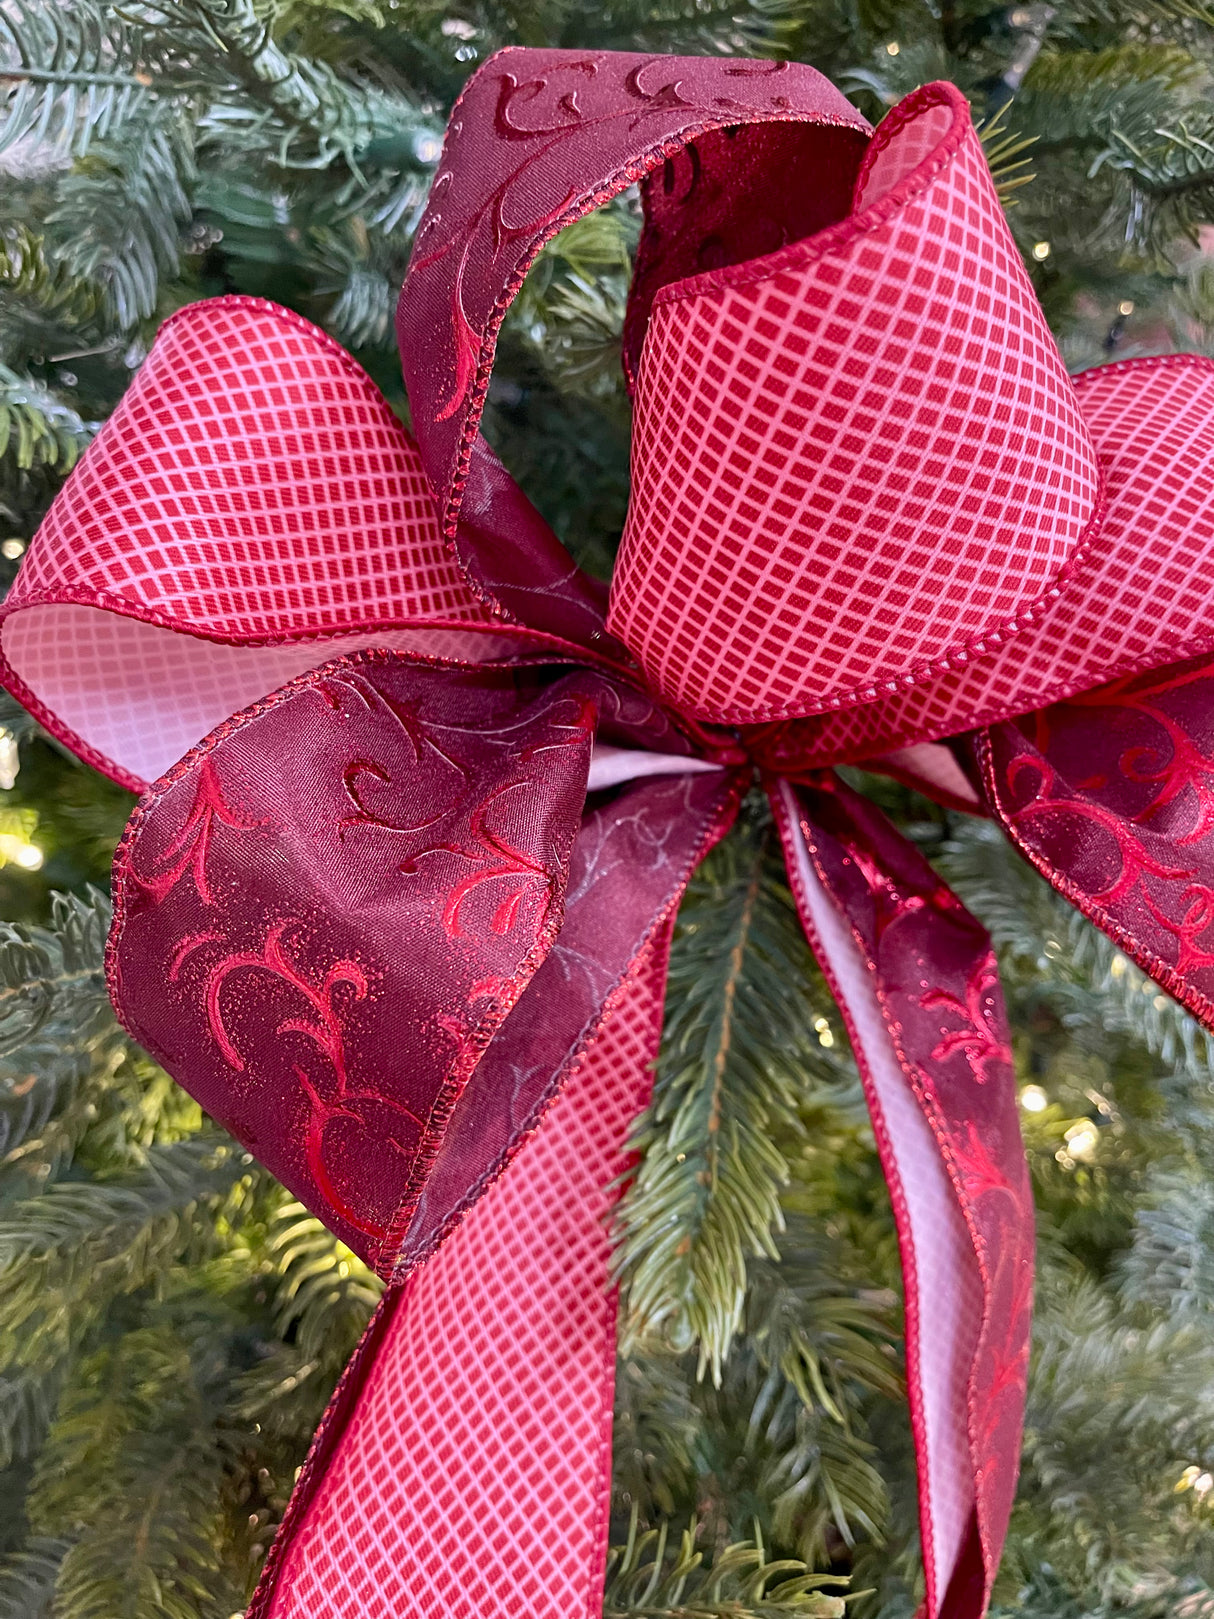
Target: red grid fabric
x=1144 y=598
x=471 y=1481
x=888 y=161
x=252 y=486
x=852 y=459
x=251 y=483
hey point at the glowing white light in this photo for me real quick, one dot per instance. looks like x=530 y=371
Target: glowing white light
x=10 y=759
x=17 y=851
x=1081 y=1140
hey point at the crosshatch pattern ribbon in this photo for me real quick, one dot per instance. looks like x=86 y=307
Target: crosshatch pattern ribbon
x=396 y=904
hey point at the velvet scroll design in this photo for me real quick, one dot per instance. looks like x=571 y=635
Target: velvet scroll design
x=424 y=796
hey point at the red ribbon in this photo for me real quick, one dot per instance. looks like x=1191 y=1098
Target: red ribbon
x=412 y=908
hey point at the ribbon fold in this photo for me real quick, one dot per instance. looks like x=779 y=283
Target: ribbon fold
x=424 y=796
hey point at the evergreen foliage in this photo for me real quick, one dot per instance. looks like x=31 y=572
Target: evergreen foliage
x=171 y=1323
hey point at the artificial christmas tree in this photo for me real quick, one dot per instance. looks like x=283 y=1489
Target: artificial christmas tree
x=791 y=1438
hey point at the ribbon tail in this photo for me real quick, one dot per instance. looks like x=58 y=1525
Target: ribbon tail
x=917 y=985
x=471 y=1478
x=463 y=1468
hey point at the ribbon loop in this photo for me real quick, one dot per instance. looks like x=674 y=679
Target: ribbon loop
x=1111 y=796
x=537 y=139
x=857 y=457
x=265 y=890
x=251 y=507
x=1144 y=596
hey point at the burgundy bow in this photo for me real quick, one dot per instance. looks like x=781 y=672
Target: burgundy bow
x=388 y=918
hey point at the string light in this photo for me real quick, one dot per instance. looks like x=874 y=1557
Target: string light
x=10 y=759
x=16 y=839
x=825 y=1032
x=14 y=851
x=12 y=549
x=1080 y=1141
x=1196 y=1479
x=892 y=48
x=1126 y=306
x=1033 y=1099
x=1041 y=250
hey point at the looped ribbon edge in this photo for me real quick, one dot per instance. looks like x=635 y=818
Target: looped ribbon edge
x=406 y=908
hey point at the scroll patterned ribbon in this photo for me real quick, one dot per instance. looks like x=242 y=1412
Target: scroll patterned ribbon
x=403 y=912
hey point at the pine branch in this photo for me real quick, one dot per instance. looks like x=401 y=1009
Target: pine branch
x=816 y=1355
x=71 y=73
x=649 y=1579
x=1107 y=1436
x=27 y=1401
x=323 y=1298
x=36 y=429
x=57 y=971
x=65 y=1253
x=131 y=1454
x=27 y=1581
x=1170 y=1265
x=56 y=1025
x=656 y=1434
x=1003 y=147
x=571 y=307
x=117 y=216
x=300 y=110
x=736 y=1051
x=323 y=1290
x=28 y=273
x=827 y=1344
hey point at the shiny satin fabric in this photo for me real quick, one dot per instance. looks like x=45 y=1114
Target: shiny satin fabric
x=424 y=796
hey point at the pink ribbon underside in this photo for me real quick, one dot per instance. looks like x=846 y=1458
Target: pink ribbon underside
x=403 y=910
x=918 y=985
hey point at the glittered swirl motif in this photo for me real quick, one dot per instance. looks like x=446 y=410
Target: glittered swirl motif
x=1111 y=795
x=981 y=1030
x=939 y=994
x=372 y=805
x=331 y=1095
x=619 y=102
x=186 y=854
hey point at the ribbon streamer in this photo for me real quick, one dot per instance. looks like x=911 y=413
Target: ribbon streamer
x=421 y=797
